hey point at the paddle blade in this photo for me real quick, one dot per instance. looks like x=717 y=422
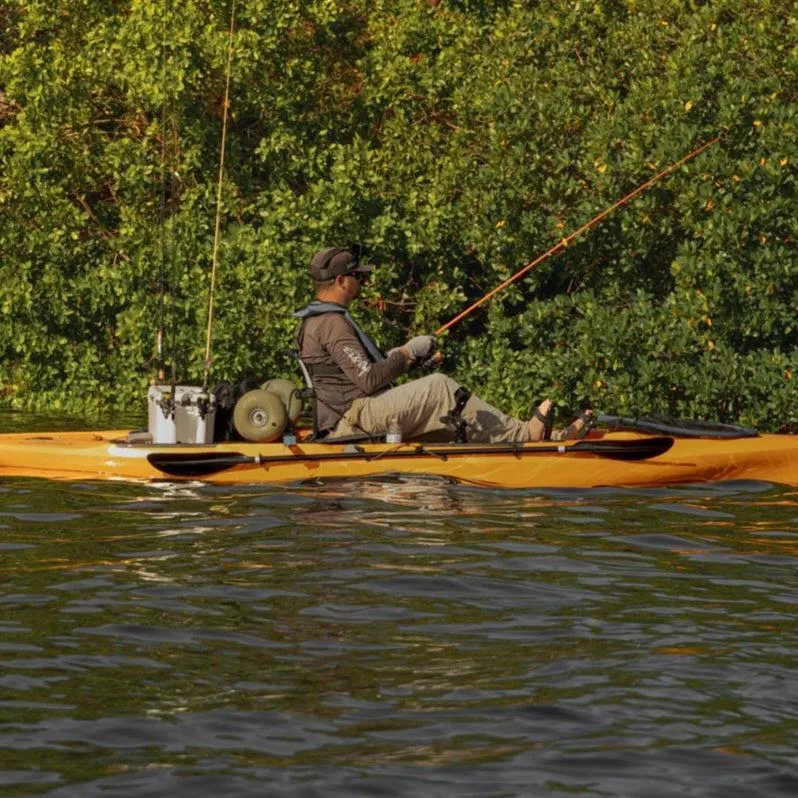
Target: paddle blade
x=642 y=449
x=199 y=464
x=678 y=428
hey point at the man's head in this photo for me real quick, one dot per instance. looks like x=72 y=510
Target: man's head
x=329 y=263
x=337 y=274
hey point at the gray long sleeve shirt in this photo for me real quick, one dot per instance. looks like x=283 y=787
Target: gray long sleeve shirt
x=340 y=367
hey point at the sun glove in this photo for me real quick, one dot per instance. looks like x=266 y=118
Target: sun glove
x=420 y=347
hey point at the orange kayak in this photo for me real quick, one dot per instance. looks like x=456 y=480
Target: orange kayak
x=609 y=459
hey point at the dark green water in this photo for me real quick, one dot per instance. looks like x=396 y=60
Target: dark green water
x=397 y=638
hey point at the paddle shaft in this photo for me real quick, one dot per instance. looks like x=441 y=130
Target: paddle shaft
x=203 y=464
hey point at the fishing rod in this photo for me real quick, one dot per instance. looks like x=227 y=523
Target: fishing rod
x=167 y=154
x=184 y=413
x=563 y=243
x=218 y=222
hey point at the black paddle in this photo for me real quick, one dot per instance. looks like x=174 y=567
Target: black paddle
x=677 y=428
x=202 y=464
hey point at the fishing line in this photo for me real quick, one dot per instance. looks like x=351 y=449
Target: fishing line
x=217 y=225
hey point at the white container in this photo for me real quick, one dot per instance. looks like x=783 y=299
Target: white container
x=189 y=419
x=394 y=432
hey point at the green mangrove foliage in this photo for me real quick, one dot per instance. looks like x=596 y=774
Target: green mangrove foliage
x=457 y=140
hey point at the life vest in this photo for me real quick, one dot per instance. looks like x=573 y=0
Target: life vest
x=318 y=308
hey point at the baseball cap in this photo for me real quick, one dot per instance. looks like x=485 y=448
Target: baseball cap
x=329 y=263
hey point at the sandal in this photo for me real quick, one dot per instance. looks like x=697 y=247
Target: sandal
x=580 y=426
x=547 y=419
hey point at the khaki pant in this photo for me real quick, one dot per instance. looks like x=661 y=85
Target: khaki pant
x=418 y=406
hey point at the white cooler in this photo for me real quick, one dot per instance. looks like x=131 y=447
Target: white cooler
x=190 y=420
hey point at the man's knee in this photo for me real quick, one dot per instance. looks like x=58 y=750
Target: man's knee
x=441 y=384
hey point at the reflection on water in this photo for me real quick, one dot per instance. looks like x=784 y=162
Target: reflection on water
x=397 y=637
x=18 y=421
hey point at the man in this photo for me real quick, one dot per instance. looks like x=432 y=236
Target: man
x=352 y=378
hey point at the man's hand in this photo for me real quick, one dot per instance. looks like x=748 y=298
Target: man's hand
x=419 y=348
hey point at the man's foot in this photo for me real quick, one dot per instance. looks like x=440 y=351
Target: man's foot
x=578 y=427
x=541 y=422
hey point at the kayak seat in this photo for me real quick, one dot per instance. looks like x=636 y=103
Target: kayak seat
x=309 y=393
x=320 y=436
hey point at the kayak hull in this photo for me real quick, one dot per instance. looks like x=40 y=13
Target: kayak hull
x=108 y=455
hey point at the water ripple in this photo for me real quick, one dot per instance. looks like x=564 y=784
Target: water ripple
x=397 y=637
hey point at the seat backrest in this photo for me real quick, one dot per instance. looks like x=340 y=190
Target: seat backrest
x=305 y=374
x=308 y=393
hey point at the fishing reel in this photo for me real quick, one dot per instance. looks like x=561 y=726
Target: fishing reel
x=434 y=361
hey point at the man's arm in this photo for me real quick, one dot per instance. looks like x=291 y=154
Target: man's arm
x=343 y=346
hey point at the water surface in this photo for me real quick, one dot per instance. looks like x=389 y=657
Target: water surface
x=397 y=637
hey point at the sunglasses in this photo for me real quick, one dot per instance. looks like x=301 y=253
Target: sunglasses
x=359 y=276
